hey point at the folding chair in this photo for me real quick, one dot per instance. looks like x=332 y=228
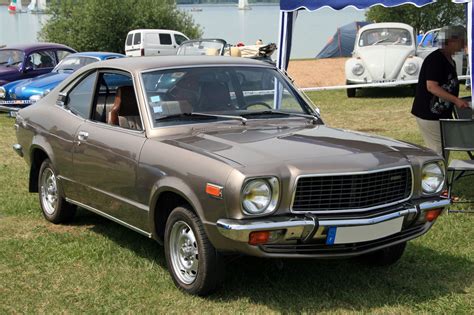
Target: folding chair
x=463 y=113
x=458 y=135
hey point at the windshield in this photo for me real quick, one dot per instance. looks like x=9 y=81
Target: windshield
x=234 y=91
x=202 y=48
x=385 y=36
x=72 y=63
x=11 y=58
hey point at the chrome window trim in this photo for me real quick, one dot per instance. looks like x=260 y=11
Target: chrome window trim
x=352 y=173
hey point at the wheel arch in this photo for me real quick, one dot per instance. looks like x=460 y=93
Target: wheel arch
x=165 y=197
x=37 y=156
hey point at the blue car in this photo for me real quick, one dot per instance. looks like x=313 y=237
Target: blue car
x=21 y=93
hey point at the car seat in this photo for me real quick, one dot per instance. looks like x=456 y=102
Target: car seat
x=215 y=96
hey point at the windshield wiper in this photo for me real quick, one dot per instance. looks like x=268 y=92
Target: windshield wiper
x=202 y=115
x=270 y=112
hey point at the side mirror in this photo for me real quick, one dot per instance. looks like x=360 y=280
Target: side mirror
x=62 y=100
x=27 y=69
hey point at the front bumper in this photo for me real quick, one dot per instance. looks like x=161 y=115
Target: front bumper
x=14 y=105
x=309 y=235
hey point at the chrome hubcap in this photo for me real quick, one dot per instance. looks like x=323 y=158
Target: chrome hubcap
x=49 y=191
x=184 y=252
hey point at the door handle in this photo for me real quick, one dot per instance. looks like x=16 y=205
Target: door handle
x=82 y=136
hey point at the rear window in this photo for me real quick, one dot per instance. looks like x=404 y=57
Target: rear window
x=165 y=39
x=137 y=39
x=129 y=39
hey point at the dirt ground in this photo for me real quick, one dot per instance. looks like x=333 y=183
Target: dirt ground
x=317 y=72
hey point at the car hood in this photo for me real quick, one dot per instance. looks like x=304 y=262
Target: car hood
x=298 y=146
x=384 y=62
x=37 y=85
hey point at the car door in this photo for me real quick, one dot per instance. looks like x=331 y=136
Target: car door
x=166 y=44
x=39 y=62
x=105 y=157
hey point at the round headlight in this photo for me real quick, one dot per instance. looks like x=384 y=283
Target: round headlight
x=35 y=98
x=411 y=68
x=432 y=178
x=358 y=69
x=2 y=92
x=260 y=195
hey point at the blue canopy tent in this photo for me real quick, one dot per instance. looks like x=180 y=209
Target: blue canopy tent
x=341 y=44
x=289 y=11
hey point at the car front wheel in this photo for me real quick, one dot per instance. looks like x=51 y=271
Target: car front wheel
x=55 y=208
x=194 y=264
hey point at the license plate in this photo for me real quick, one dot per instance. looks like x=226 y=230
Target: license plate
x=363 y=233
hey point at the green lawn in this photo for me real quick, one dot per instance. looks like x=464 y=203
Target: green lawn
x=96 y=266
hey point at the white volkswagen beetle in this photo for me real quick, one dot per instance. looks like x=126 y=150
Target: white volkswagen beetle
x=383 y=52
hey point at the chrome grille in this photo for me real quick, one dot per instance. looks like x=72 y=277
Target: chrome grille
x=352 y=191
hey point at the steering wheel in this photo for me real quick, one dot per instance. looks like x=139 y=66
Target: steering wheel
x=256 y=104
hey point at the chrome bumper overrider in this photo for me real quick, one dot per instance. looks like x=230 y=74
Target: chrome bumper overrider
x=304 y=227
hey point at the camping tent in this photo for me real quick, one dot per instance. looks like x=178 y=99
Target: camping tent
x=289 y=10
x=342 y=43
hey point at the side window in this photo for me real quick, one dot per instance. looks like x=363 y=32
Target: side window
x=165 y=39
x=62 y=54
x=137 y=39
x=41 y=60
x=179 y=38
x=115 y=102
x=129 y=39
x=80 y=97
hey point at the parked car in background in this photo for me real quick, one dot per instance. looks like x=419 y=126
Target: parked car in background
x=21 y=93
x=153 y=42
x=30 y=60
x=220 y=156
x=383 y=52
x=430 y=43
x=219 y=47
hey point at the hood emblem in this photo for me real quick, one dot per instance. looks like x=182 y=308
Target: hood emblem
x=13 y=96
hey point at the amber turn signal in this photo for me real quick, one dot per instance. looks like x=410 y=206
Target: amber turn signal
x=214 y=190
x=259 y=237
x=432 y=214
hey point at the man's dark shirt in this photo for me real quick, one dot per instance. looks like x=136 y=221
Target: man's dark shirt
x=436 y=67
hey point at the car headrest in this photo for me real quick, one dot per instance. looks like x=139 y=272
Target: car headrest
x=128 y=101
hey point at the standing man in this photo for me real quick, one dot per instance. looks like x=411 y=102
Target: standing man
x=438 y=87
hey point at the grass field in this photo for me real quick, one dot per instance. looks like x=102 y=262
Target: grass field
x=97 y=266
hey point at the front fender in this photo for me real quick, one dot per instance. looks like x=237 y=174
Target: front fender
x=179 y=187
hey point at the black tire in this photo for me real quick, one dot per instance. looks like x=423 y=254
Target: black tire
x=386 y=256
x=209 y=272
x=55 y=208
x=351 y=93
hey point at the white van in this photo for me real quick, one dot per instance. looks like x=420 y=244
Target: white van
x=153 y=42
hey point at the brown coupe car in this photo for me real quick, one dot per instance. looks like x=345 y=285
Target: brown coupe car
x=213 y=156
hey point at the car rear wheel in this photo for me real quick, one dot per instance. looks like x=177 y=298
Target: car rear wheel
x=385 y=256
x=194 y=264
x=55 y=208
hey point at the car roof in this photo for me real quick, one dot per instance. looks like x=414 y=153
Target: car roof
x=139 y=64
x=97 y=54
x=153 y=30
x=386 y=25
x=35 y=46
